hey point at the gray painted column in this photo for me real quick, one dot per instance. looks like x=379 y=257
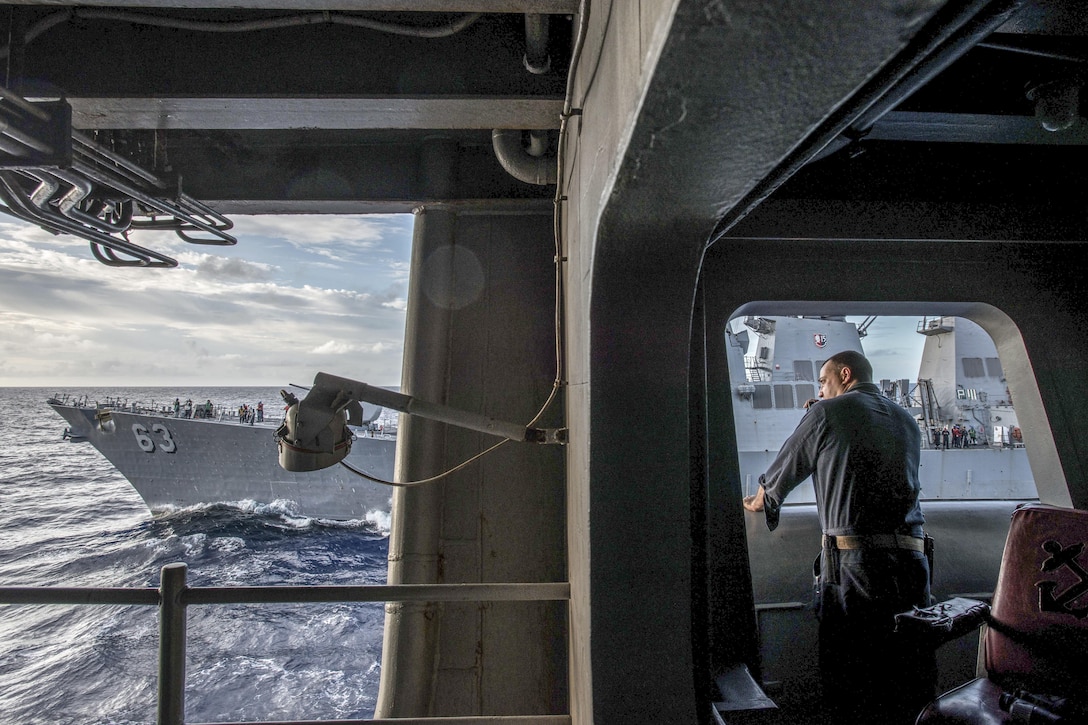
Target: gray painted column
x=480 y=337
x=704 y=101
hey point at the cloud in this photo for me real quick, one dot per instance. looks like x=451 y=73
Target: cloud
x=306 y=230
x=339 y=347
x=232 y=269
x=399 y=270
x=28 y=233
x=262 y=312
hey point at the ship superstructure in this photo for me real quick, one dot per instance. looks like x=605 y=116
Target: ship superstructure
x=774 y=366
x=961 y=383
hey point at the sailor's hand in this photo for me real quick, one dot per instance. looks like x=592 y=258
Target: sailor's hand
x=811 y=402
x=755 y=501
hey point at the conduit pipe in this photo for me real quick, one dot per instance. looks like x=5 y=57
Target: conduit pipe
x=532 y=165
x=538 y=143
x=537 y=59
x=241 y=26
x=519 y=163
x=68 y=184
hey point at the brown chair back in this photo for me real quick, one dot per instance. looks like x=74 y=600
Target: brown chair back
x=1038 y=636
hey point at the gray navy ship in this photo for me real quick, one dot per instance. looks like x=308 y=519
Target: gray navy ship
x=190 y=456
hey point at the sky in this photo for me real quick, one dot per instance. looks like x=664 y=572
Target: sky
x=893 y=346
x=297 y=295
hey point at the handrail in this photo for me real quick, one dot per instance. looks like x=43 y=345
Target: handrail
x=173 y=596
x=463 y=720
x=466 y=720
x=529 y=592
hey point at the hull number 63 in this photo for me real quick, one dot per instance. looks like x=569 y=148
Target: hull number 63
x=147 y=444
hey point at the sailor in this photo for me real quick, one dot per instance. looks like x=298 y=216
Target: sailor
x=862 y=451
x=177 y=407
x=260 y=411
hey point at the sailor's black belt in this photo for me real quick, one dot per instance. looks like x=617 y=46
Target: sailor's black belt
x=875 y=541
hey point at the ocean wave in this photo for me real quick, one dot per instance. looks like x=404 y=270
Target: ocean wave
x=279 y=514
x=67 y=518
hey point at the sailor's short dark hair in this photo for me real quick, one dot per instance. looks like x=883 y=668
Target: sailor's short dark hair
x=859 y=365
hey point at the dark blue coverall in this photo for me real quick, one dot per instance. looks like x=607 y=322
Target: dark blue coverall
x=862 y=451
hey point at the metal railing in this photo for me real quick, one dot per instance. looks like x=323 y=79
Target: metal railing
x=174 y=596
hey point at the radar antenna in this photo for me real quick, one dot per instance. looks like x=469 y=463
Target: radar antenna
x=863 y=328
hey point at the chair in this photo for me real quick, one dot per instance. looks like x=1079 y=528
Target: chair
x=1035 y=645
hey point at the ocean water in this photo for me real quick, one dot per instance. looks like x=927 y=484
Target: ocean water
x=67 y=518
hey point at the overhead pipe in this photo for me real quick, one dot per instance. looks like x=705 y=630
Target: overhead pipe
x=538 y=143
x=1057 y=103
x=519 y=163
x=1015 y=44
x=537 y=59
x=12 y=147
x=122 y=165
x=69 y=205
x=186 y=213
x=531 y=164
x=324 y=17
x=24 y=140
x=17 y=204
x=67 y=184
x=46 y=190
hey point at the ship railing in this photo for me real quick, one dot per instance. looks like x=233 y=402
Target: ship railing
x=173 y=596
x=757 y=370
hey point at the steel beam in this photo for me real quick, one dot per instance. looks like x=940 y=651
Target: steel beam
x=972 y=128
x=546 y=7
x=446 y=113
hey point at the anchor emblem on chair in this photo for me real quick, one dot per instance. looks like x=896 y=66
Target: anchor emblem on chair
x=1062 y=603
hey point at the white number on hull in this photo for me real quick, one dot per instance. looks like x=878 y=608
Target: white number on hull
x=147 y=445
x=167 y=445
